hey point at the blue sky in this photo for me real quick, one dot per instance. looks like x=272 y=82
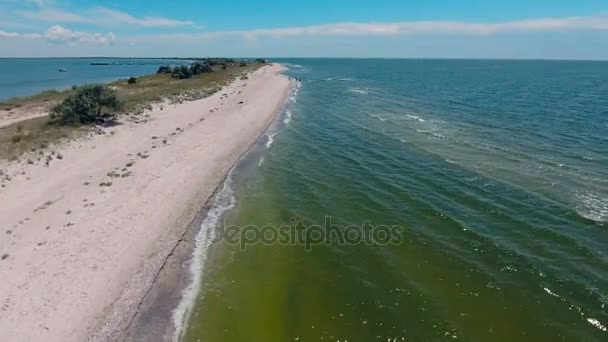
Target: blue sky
x=558 y=29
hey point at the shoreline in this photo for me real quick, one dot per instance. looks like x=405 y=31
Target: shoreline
x=99 y=280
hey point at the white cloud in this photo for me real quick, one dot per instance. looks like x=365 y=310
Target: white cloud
x=53 y=15
x=60 y=35
x=598 y=22
x=111 y=15
x=8 y=35
x=100 y=16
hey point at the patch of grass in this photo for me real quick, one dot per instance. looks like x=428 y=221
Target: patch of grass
x=156 y=87
x=32 y=134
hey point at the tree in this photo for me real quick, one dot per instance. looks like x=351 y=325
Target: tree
x=91 y=104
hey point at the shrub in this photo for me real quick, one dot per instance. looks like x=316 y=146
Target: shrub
x=224 y=66
x=91 y=104
x=132 y=80
x=243 y=64
x=164 y=69
x=181 y=72
x=200 y=68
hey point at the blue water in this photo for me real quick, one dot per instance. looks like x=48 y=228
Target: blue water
x=28 y=76
x=497 y=171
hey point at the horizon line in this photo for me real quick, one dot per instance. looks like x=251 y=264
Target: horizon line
x=549 y=59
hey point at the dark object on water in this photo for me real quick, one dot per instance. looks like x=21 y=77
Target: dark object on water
x=63 y=70
x=102 y=63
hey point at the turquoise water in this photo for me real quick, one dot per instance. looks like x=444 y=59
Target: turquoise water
x=496 y=171
x=28 y=76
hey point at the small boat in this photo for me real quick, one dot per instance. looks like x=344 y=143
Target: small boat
x=63 y=70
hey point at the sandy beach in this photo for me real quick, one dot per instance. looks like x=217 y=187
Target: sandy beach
x=83 y=239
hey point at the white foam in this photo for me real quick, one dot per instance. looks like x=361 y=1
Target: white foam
x=597 y=324
x=288 y=116
x=261 y=161
x=376 y=116
x=415 y=117
x=437 y=135
x=270 y=140
x=550 y=292
x=224 y=200
x=358 y=91
x=295 y=66
x=592 y=206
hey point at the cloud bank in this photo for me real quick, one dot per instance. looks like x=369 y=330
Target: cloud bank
x=100 y=16
x=60 y=35
x=598 y=22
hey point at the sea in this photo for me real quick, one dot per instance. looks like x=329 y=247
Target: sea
x=405 y=200
x=28 y=76
x=490 y=176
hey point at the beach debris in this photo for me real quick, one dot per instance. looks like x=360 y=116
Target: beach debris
x=4 y=256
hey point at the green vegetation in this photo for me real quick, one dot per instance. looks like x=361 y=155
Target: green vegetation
x=32 y=135
x=39 y=133
x=91 y=104
x=132 y=80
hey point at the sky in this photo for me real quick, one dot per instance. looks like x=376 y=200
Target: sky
x=525 y=29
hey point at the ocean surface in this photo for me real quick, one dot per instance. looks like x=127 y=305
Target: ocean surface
x=495 y=172
x=28 y=76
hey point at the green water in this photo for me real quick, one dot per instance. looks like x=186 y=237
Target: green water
x=496 y=173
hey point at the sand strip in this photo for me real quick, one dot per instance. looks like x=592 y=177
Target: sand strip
x=84 y=238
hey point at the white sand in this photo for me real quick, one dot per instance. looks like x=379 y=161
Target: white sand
x=81 y=257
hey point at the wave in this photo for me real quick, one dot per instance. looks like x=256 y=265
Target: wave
x=288 y=116
x=358 y=91
x=592 y=206
x=270 y=140
x=224 y=200
x=329 y=79
x=597 y=324
x=433 y=133
x=293 y=66
x=376 y=116
x=415 y=117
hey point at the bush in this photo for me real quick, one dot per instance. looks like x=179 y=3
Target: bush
x=243 y=64
x=181 y=72
x=200 y=68
x=132 y=80
x=224 y=66
x=91 y=104
x=164 y=69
